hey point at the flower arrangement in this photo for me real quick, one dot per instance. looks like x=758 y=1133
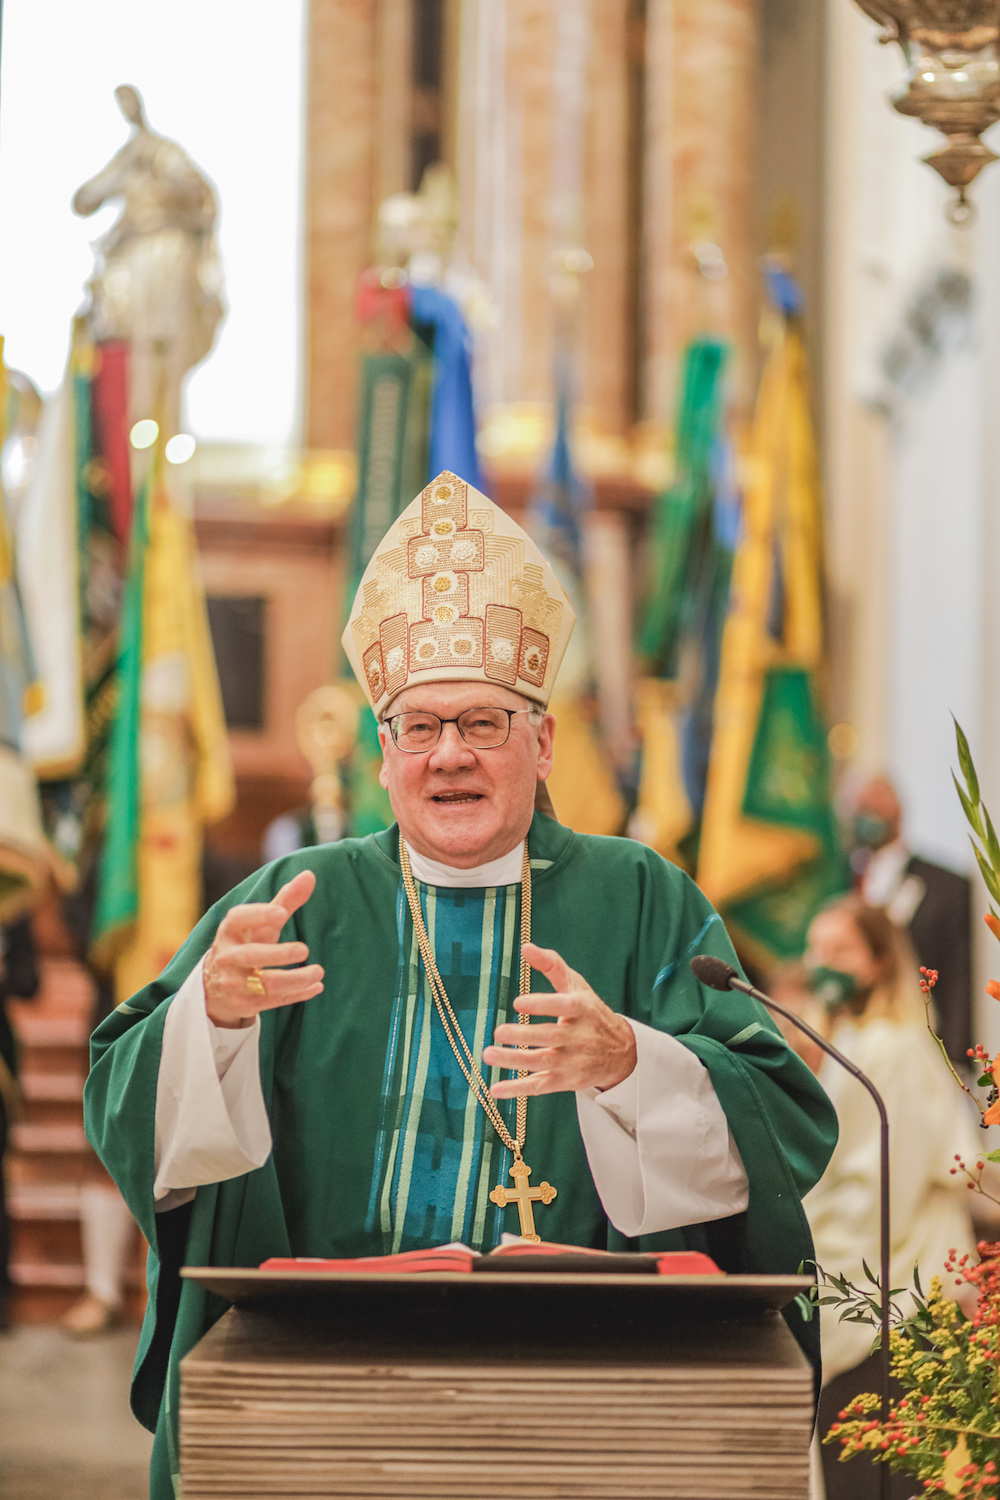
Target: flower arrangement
x=945 y=1427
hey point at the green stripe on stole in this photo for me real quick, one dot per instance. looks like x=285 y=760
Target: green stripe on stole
x=437 y=1156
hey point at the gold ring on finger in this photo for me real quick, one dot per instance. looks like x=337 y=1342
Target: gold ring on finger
x=255 y=982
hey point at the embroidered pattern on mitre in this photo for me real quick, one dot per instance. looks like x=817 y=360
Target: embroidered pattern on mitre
x=457 y=592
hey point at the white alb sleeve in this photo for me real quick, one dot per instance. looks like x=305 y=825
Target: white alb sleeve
x=659 y=1146
x=211 y=1123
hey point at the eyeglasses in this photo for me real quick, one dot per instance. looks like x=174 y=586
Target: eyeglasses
x=483 y=728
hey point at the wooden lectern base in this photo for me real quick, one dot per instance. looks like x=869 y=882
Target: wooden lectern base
x=492 y=1387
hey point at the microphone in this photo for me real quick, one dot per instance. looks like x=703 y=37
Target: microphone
x=719 y=975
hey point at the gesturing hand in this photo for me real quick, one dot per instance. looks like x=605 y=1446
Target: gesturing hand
x=247 y=939
x=588 y=1045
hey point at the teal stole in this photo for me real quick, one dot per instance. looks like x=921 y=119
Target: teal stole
x=437 y=1156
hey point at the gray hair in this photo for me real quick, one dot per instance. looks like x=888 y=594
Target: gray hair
x=534 y=710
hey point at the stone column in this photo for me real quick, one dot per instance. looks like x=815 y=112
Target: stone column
x=340 y=141
x=700 y=173
x=358 y=149
x=530 y=141
x=394 y=52
x=605 y=346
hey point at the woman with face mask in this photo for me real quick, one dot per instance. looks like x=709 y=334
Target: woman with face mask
x=861 y=968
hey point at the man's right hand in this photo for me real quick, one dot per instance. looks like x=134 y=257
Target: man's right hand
x=247 y=939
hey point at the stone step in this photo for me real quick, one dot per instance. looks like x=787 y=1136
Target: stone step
x=40 y=1243
x=47 y=1304
x=52 y=1112
x=51 y=1087
x=39 y=1168
x=48 y=1140
x=46 y=1030
x=47 y=1273
x=52 y=1043
x=52 y=1098
x=48 y=1153
x=51 y=1240
x=44 y=1201
x=42 y=1294
x=49 y=1158
x=46 y=1253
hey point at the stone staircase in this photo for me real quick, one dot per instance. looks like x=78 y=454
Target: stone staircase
x=48 y=1159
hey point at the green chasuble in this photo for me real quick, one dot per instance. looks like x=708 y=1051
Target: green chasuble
x=378 y=1145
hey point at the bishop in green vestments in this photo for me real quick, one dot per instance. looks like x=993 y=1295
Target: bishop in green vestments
x=331 y=1064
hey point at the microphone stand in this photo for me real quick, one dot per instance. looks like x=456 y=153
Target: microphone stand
x=736 y=983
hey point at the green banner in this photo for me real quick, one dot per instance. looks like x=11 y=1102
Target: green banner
x=118 y=889
x=392 y=445
x=682 y=529
x=788 y=783
x=393 y=434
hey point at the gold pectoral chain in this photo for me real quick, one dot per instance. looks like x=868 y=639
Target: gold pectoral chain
x=521 y=1193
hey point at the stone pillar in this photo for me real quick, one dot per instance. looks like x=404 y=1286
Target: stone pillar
x=393 y=142
x=530 y=143
x=358 y=150
x=606 y=334
x=340 y=142
x=700 y=173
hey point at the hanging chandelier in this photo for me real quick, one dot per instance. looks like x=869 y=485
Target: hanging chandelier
x=952 y=80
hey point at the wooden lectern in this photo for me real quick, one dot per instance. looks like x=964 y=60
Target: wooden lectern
x=496 y=1385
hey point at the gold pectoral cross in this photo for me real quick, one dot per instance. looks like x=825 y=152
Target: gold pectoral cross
x=523 y=1196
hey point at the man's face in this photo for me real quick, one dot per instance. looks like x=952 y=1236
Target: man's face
x=459 y=805
x=877 y=815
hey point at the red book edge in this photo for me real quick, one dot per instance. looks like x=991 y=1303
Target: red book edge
x=670 y=1263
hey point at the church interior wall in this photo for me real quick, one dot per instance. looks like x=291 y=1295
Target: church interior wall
x=792 y=114
x=909 y=439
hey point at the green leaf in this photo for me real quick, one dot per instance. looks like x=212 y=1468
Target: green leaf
x=985 y=1081
x=971 y=812
x=991 y=841
x=965 y=761
x=993 y=1156
x=992 y=885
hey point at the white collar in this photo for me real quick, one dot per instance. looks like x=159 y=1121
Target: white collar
x=884 y=873
x=503 y=871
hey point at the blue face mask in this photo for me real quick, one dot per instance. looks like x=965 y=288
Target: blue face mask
x=870 y=831
x=832 y=987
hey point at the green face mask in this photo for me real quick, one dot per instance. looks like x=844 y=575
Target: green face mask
x=870 y=831
x=832 y=987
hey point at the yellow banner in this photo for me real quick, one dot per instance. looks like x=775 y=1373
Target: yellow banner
x=187 y=778
x=781 y=520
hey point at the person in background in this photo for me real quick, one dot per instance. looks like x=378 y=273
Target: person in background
x=19 y=977
x=862 y=967
x=932 y=904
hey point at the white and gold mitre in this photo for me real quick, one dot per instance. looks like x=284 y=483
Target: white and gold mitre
x=457 y=592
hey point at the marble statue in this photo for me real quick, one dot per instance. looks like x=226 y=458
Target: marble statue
x=157 y=282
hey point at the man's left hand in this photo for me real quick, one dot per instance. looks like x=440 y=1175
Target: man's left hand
x=587 y=1046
